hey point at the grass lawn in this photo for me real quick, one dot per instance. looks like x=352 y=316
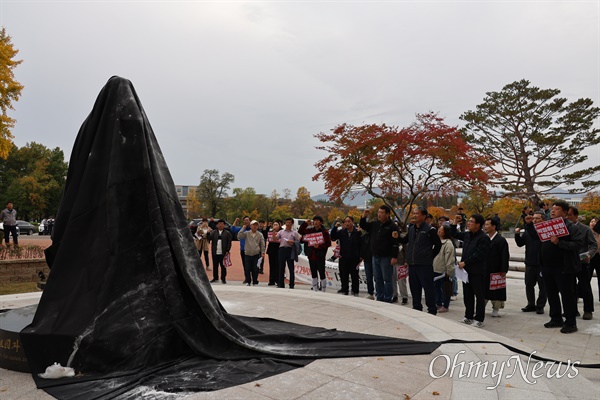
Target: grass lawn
x=16 y=288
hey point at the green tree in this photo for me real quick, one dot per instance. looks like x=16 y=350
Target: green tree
x=282 y=212
x=33 y=178
x=302 y=203
x=241 y=203
x=476 y=202
x=212 y=191
x=335 y=213
x=266 y=205
x=10 y=90
x=533 y=139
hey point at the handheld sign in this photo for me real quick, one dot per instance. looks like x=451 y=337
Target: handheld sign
x=554 y=227
x=497 y=281
x=314 y=239
x=402 y=271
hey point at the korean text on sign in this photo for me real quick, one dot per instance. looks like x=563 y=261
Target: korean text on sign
x=314 y=239
x=497 y=281
x=554 y=227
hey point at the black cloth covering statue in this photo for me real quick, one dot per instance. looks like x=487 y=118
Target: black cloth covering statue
x=127 y=303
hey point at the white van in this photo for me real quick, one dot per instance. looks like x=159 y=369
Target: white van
x=297 y=223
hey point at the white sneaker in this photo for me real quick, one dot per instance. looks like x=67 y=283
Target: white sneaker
x=479 y=324
x=495 y=313
x=370 y=297
x=466 y=320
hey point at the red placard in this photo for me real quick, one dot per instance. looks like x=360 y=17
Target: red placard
x=336 y=251
x=227 y=260
x=402 y=271
x=271 y=237
x=314 y=239
x=554 y=227
x=497 y=281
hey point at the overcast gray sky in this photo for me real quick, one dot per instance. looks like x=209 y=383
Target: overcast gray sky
x=243 y=86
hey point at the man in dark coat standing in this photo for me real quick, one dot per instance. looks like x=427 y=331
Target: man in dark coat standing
x=496 y=266
x=350 y=241
x=384 y=245
x=220 y=240
x=473 y=259
x=560 y=263
x=533 y=270
x=423 y=244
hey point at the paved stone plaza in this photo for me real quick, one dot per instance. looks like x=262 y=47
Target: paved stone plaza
x=400 y=377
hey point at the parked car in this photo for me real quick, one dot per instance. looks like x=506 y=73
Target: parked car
x=2 y=231
x=45 y=227
x=25 y=227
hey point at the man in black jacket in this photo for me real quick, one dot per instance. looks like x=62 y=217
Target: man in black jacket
x=220 y=240
x=560 y=263
x=533 y=271
x=475 y=247
x=497 y=264
x=384 y=244
x=350 y=241
x=587 y=251
x=423 y=244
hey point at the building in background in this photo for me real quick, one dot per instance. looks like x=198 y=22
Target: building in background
x=182 y=193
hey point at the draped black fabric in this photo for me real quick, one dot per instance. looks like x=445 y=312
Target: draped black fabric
x=127 y=303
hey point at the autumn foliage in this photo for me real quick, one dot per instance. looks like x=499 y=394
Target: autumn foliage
x=401 y=166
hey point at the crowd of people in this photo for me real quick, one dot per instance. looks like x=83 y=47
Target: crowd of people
x=424 y=259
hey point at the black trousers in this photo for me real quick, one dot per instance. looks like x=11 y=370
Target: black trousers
x=595 y=266
x=317 y=266
x=206 y=258
x=474 y=297
x=251 y=268
x=349 y=269
x=243 y=255
x=285 y=254
x=560 y=288
x=218 y=262
x=532 y=278
x=8 y=230
x=584 y=287
x=273 y=268
x=420 y=278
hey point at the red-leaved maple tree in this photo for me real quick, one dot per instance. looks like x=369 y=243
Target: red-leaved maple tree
x=401 y=166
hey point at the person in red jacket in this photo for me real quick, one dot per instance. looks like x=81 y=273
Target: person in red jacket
x=319 y=241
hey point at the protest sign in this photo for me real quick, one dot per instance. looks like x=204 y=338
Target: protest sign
x=314 y=239
x=497 y=281
x=402 y=271
x=554 y=227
